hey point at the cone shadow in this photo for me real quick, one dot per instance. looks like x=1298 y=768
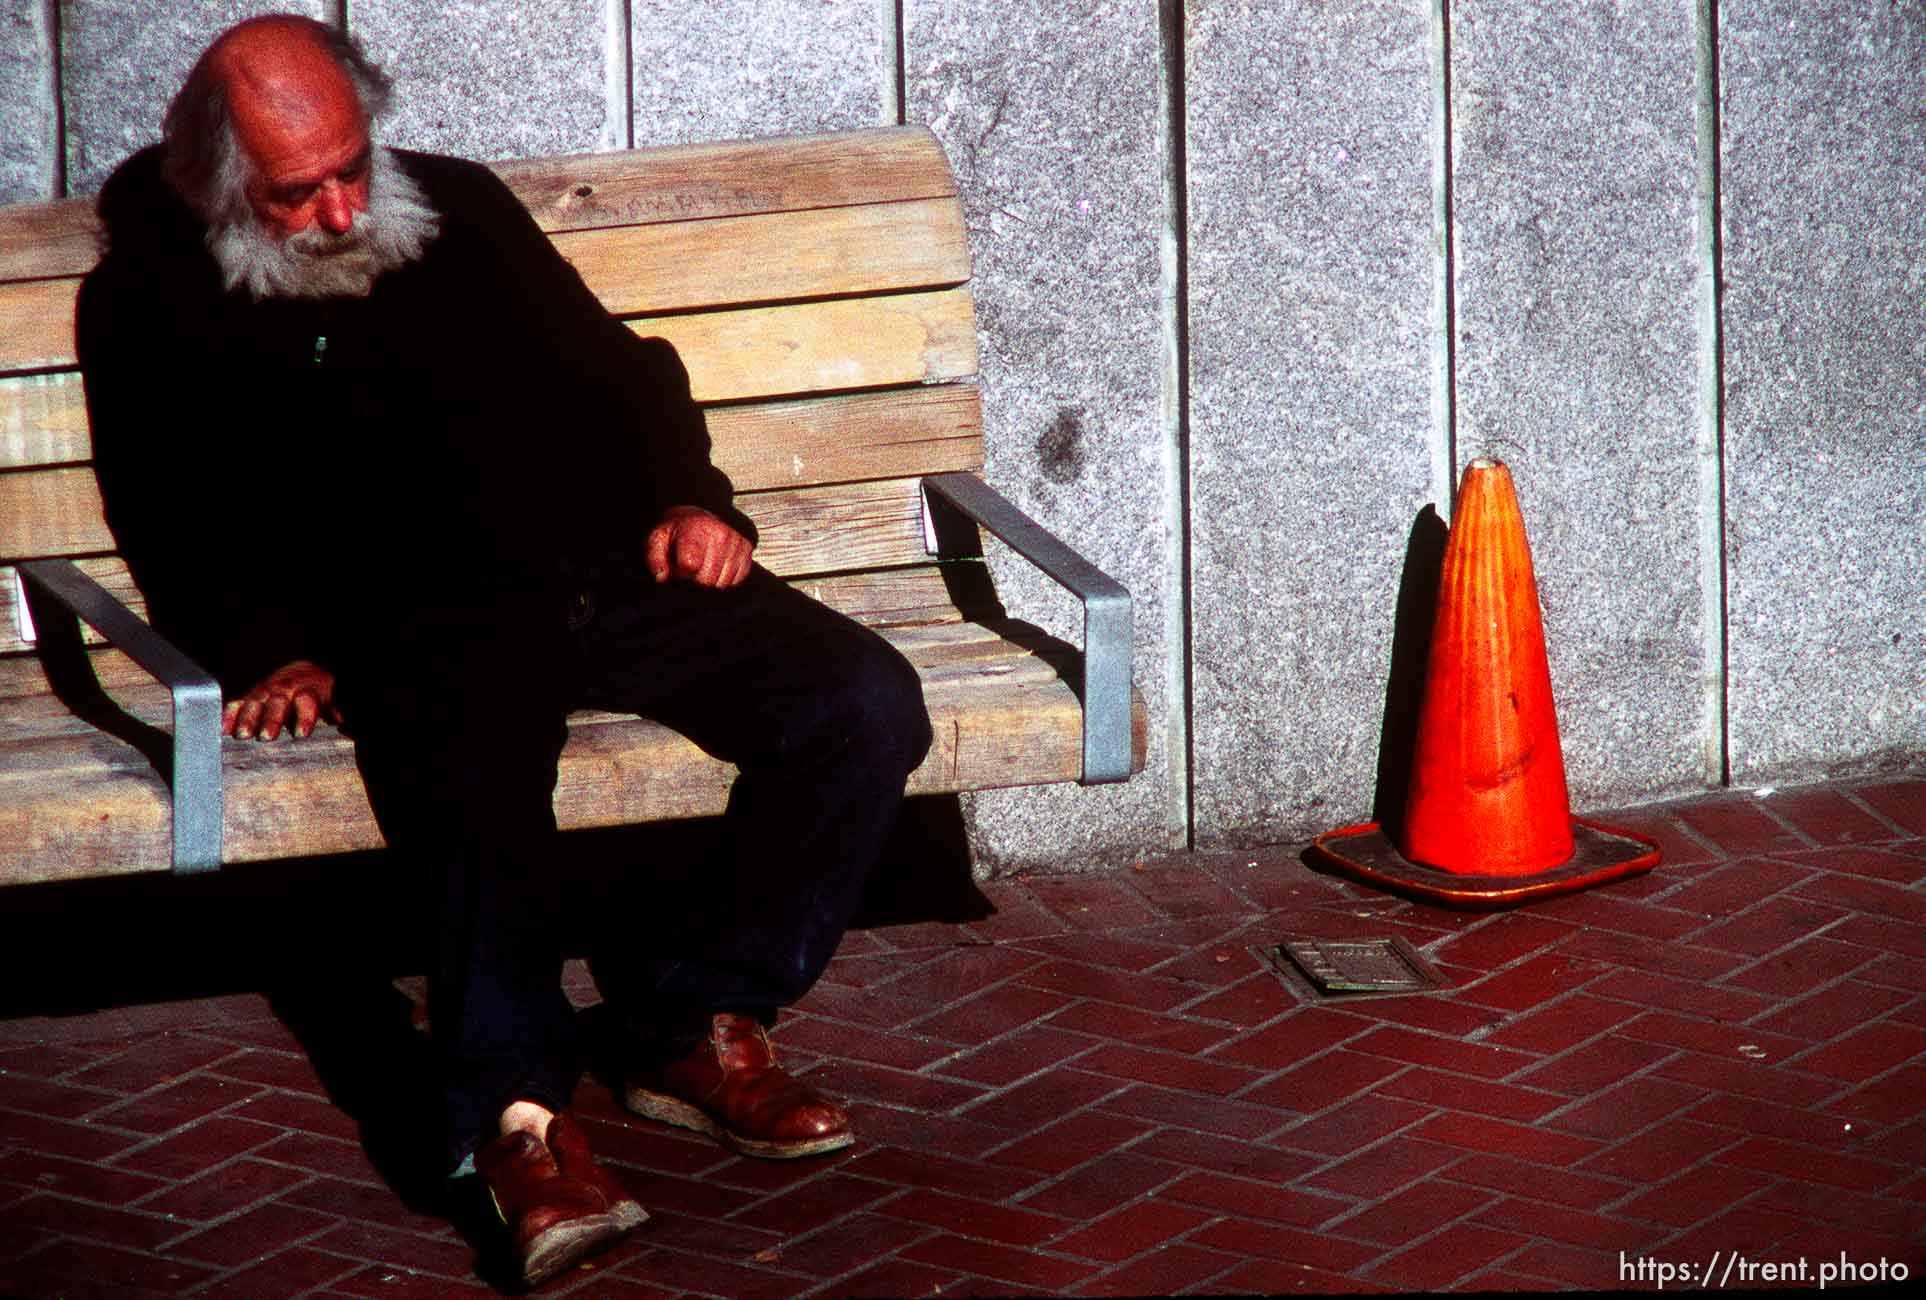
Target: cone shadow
x=1417 y=610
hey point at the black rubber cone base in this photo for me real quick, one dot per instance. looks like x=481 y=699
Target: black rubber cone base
x=1599 y=854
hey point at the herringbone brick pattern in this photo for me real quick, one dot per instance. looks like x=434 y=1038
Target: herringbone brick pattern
x=1103 y=1089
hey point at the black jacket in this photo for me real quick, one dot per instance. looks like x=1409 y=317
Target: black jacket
x=479 y=413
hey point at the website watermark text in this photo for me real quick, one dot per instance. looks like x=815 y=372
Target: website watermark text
x=1724 y=1268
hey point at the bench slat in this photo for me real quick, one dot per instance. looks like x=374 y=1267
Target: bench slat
x=915 y=338
x=52 y=512
x=888 y=598
x=681 y=183
x=849 y=436
x=57 y=512
x=38 y=240
x=947 y=651
x=911 y=338
x=43 y=421
x=831 y=253
x=937 y=640
x=37 y=324
x=846 y=526
x=733 y=178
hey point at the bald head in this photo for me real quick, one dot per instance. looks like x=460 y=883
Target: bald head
x=277 y=89
x=281 y=75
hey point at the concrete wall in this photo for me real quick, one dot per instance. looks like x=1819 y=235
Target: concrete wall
x=1310 y=235
x=29 y=128
x=1573 y=207
x=1823 y=170
x=1255 y=280
x=1050 y=117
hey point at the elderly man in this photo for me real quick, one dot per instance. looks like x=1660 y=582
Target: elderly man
x=378 y=457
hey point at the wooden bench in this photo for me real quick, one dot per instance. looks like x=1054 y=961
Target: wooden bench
x=817 y=290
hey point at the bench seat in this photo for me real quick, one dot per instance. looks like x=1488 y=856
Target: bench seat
x=77 y=801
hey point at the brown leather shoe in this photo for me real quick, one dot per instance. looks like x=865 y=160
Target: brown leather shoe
x=732 y=1089
x=553 y=1220
x=569 y=1145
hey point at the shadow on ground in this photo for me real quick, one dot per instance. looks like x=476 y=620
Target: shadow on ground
x=324 y=939
x=304 y=923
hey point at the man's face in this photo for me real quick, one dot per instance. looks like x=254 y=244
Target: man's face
x=310 y=158
x=327 y=214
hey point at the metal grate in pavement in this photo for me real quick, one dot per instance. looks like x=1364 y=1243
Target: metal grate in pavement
x=1355 y=968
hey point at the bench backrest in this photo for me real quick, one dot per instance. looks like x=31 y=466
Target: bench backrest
x=816 y=289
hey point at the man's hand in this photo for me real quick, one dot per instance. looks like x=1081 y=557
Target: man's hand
x=305 y=687
x=690 y=543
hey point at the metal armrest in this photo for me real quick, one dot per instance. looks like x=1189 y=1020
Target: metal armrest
x=196 y=778
x=1106 y=612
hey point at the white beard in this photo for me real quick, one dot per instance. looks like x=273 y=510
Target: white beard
x=398 y=226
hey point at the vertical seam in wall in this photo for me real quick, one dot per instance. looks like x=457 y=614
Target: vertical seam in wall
x=1709 y=254
x=57 y=93
x=1179 y=631
x=625 y=51
x=1444 y=294
x=899 y=87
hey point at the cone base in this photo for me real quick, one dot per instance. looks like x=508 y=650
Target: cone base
x=1600 y=853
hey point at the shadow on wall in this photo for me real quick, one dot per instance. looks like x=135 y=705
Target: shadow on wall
x=1410 y=650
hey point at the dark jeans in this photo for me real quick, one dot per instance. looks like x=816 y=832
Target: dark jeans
x=458 y=734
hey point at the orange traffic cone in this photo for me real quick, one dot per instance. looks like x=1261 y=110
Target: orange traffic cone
x=1487 y=821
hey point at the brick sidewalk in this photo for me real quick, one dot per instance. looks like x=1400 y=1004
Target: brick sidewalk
x=1100 y=1089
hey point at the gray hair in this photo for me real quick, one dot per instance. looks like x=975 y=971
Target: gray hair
x=203 y=160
